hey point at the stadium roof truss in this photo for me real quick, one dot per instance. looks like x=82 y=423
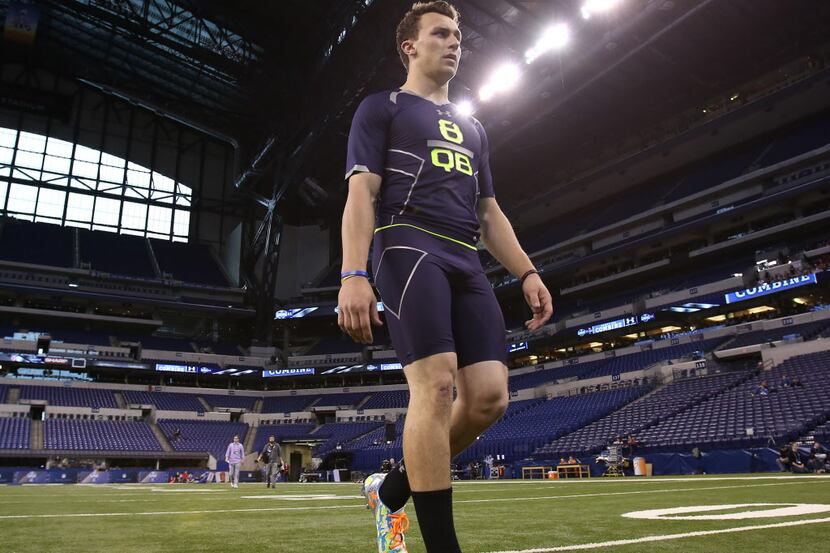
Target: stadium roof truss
x=157 y=46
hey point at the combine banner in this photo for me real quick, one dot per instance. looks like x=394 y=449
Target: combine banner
x=773 y=288
x=154 y=477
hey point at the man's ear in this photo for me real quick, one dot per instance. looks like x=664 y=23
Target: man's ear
x=408 y=47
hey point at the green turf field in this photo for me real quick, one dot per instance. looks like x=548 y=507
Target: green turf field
x=490 y=516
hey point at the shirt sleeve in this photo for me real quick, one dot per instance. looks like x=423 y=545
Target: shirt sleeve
x=367 y=147
x=484 y=177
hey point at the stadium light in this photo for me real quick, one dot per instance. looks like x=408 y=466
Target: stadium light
x=591 y=7
x=555 y=37
x=504 y=78
x=466 y=108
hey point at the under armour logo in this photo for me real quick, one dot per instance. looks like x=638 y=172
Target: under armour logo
x=445 y=113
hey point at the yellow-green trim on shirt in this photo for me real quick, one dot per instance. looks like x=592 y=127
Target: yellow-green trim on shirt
x=459 y=242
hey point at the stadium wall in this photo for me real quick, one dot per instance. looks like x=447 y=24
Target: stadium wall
x=718 y=461
x=100 y=413
x=20 y=411
x=783 y=322
x=191 y=415
x=782 y=352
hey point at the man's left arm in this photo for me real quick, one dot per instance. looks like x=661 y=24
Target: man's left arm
x=500 y=240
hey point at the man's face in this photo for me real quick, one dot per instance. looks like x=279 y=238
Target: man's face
x=438 y=47
x=271 y=439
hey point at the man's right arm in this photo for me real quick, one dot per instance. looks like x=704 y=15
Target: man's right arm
x=356 y=301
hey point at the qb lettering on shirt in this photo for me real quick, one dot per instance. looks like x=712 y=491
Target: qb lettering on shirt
x=448 y=158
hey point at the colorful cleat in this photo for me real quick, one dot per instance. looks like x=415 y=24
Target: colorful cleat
x=390 y=526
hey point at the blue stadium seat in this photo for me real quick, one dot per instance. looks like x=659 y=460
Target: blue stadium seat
x=189 y=263
x=94 y=435
x=36 y=243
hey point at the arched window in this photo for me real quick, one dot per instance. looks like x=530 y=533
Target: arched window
x=54 y=181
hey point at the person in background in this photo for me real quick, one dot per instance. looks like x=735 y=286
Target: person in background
x=271 y=455
x=632 y=442
x=818 y=457
x=762 y=389
x=790 y=459
x=234 y=456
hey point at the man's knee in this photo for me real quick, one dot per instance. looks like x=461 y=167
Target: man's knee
x=494 y=405
x=486 y=408
x=431 y=383
x=435 y=394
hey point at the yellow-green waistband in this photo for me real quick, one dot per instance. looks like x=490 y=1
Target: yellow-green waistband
x=459 y=242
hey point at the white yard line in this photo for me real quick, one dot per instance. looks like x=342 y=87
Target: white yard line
x=168 y=513
x=608 y=494
x=639 y=480
x=361 y=505
x=666 y=537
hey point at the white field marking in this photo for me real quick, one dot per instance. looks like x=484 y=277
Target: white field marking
x=665 y=537
x=608 y=494
x=550 y=484
x=780 y=510
x=362 y=506
x=468 y=487
x=186 y=490
x=637 y=479
x=302 y=497
x=539 y=483
x=199 y=512
x=87 y=500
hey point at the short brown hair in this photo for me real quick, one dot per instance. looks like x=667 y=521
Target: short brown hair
x=408 y=27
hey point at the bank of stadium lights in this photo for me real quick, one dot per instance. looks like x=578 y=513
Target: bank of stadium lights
x=554 y=38
x=504 y=78
x=592 y=7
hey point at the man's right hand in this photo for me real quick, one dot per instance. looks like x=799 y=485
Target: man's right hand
x=357 y=309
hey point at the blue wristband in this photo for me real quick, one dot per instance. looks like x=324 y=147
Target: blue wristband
x=349 y=274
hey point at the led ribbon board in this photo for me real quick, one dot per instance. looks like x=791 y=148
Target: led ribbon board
x=305 y=371
x=518 y=346
x=615 y=325
x=773 y=288
x=187 y=369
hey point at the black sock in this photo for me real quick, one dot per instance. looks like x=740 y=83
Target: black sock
x=394 y=492
x=434 y=510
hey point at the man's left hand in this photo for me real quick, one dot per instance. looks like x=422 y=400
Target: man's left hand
x=540 y=301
